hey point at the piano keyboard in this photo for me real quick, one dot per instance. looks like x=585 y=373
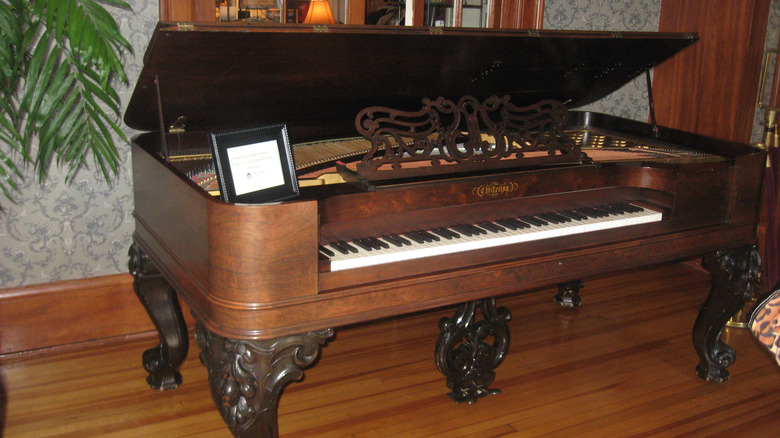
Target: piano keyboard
x=468 y=237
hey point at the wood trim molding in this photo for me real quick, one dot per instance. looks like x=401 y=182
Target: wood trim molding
x=69 y=313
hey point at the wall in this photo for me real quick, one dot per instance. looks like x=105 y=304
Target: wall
x=83 y=229
x=614 y=15
x=61 y=231
x=770 y=42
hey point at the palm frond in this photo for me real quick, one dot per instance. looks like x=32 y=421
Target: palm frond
x=58 y=59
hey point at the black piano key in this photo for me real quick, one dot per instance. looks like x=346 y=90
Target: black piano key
x=327 y=252
x=520 y=223
x=402 y=239
x=443 y=232
x=452 y=233
x=548 y=218
x=585 y=212
x=619 y=207
x=463 y=229
x=378 y=244
x=612 y=209
x=370 y=242
x=365 y=246
x=554 y=218
x=631 y=208
x=393 y=239
x=475 y=230
x=346 y=246
x=423 y=235
x=508 y=223
x=591 y=212
x=428 y=235
x=339 y=248
x=533 y=220
x=573 y=215
x=500 y=227
x=604 y=211
x=415 y=237
x=491 y=227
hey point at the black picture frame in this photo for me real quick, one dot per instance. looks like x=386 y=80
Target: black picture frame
x=254 y=165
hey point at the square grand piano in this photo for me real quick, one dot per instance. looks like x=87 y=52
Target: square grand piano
x=471 y=179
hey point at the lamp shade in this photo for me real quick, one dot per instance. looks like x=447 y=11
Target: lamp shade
x=319 y=13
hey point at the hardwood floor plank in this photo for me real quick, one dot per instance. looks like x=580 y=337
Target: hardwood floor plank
x=622 y=364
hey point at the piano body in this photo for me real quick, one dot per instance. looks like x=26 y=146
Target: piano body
x=268 y=283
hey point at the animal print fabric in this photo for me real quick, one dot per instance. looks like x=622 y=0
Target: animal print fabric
x=765 y=323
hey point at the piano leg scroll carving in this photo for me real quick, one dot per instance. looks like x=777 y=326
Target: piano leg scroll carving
x=462 y=354
x=247 y=376
x=161 y=303
x=569 y=294
x=735 y=275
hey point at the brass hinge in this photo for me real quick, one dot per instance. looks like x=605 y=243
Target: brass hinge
x=436 y=30
x=320 y=28
x=185 y=26
x=534 y=32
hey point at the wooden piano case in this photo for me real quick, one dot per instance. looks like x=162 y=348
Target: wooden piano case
x=264 y=295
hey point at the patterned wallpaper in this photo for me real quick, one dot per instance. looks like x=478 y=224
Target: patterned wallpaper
x=770 y=42
x=61 y=231
x=636 y=15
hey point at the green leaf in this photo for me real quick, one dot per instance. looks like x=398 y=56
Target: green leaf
x=58 y=59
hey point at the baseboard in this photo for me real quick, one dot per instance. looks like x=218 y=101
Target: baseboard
x=68 y=314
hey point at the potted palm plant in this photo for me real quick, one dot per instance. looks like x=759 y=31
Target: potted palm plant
x=59 y=61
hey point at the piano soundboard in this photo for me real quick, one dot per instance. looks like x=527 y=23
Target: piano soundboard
x=314 y=161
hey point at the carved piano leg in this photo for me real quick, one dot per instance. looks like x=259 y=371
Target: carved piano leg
x=569 y=294
x=735 y=275
x=160 y=301
x=247 y=376
x=462 y=354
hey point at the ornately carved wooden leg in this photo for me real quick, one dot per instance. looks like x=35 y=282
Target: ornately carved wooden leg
x=247 y=377
x=569 y=294
x=160 y=301
x=462 y=354
x=735 y=275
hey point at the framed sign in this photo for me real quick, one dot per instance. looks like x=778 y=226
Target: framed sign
x=254 y=165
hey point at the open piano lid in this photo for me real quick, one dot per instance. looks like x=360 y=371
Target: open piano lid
x=228 y=76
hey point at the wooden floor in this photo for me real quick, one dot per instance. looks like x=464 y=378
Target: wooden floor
x=620 y=365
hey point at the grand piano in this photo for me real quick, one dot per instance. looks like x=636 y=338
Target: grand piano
x=437 y=168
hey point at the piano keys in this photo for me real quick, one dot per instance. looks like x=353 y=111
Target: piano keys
x=457 y=206
x=414 y=244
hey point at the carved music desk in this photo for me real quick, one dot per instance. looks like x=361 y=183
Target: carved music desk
x=471 y=179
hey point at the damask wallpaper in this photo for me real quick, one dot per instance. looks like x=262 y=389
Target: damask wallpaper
x=61 y=231
x=770 y=42
x=618 y=15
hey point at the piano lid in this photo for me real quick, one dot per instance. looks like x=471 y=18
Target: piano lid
x=228 y=76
